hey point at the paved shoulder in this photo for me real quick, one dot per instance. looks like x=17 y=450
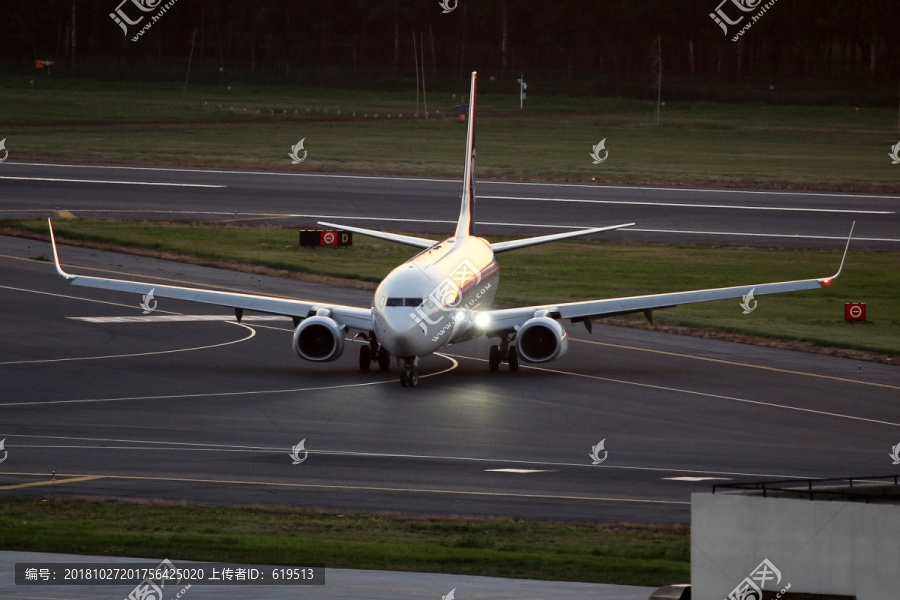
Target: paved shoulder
x=340 y=584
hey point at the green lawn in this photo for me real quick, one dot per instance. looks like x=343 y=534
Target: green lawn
x=500 y=548
x=697 y=143
x=576 y=270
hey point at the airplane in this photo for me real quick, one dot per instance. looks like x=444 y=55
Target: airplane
x=442 y=296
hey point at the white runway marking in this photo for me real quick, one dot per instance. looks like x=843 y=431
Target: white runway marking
x=176 y=319
x=359 y=488
x=518 y=471
x=234 y=172
x=60 y=180
x=456 y=181
x=786 y=236
x=435 y=221
x=134 y=355
x=164 y=280
x=552 y=466
x=626 y=229
x=695 y=479
x=66 y=296
x=762 y=235
x=720 y=397
x=217 y=394
x=143 y=448
x=723 y=361
x=699 y=190
x=695 y=393
x=685 y=205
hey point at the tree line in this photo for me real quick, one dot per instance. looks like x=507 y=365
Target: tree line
x=582 y=46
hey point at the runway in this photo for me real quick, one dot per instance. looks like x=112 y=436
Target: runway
x=511 y=208
x=207 y=410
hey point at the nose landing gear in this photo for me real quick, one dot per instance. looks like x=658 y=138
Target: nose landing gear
x=410 y=375
x=409 y=379
x=373 y=352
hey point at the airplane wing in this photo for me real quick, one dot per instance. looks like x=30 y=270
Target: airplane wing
x=543 y=239
x=507 y=320
x=384 y=235
x=351 y=316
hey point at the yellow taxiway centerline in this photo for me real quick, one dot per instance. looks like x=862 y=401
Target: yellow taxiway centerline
x=363 y=488
x=19 y=486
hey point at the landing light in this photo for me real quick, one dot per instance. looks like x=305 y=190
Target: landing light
x=482 y=320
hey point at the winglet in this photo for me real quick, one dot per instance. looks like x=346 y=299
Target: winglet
x=59 y=268
x=465 y=225
x=828 y=280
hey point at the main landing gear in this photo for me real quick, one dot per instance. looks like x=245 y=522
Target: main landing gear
x=503 y=353
x=373 y=352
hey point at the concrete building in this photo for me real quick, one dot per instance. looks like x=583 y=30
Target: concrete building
x=810 y=539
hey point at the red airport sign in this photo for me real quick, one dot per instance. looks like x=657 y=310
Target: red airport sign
x=855 y=311
x=330 y=237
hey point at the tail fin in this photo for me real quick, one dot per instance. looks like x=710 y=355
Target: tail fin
x=465 y=225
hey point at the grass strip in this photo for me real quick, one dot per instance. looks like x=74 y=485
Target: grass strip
x=254 y=127
x=518 y=548
x=570 y=271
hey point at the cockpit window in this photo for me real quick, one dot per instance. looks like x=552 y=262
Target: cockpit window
x=404 y=302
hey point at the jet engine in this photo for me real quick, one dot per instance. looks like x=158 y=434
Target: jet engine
x=319 y=339
x=541 y=339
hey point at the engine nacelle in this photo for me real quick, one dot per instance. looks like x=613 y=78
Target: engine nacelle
x=319 y=339
x=541 y=339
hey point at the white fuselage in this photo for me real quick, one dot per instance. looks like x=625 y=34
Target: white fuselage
x=432 y=299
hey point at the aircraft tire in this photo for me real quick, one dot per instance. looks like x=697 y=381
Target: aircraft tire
x=494 y=358
x=365 y=358
x=384 y=359
x=513 y=359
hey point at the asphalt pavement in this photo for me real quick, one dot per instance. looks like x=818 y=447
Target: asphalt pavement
x=208 y=410
x=340 y=584
x=780 y=218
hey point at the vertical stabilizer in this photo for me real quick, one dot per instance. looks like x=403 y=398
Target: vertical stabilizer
x=465 y=226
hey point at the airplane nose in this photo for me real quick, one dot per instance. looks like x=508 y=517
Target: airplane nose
x=404 y=335
x=403 y=345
